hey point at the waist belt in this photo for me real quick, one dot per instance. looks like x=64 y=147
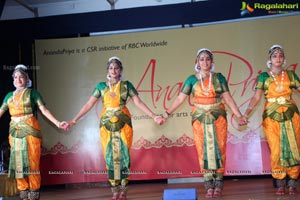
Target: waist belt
x=21 y=118
x=280 y=100
x=208 y=106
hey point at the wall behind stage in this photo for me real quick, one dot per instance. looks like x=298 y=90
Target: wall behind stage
x=157 y=63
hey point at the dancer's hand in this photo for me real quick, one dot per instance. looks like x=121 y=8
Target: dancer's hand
x=70 y=124
x=243 y=120
x=63 y=125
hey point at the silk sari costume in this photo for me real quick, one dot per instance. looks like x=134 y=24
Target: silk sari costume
x=281 y=126
x=209 y=126
x=116 y=131
x=25 y=138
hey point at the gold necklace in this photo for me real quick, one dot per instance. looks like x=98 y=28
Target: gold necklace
x=205 y=90
x=113 y=93
x=279 y=88
x=17 y=102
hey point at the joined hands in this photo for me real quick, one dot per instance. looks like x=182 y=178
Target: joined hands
x=243 y=120
x=63 y=125
x=159 y=119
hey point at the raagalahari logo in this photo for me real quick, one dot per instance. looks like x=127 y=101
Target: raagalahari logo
x=246 y=9
x=274 y=8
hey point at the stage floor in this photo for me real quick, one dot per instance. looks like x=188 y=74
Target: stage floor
x=234 y=189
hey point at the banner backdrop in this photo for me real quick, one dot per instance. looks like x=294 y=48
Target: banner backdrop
x=157 y=63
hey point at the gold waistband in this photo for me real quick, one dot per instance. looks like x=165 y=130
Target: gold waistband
x=208 y=106
x=114 y=109
x=21 y=118
x=280 y=100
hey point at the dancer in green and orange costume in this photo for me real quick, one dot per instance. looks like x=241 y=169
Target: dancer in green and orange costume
x=209 y=90
x=280 y=119
x=116 y=131
x=25 y=136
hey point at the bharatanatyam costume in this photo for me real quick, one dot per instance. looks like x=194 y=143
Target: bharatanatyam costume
x=281 y=124
x=25 y=140
x=209 y=125
x=116 y=131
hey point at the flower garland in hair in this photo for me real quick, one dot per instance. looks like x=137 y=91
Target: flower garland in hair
x=273 y=48
x=114 y=58
x=22 y=67
x=204 y=49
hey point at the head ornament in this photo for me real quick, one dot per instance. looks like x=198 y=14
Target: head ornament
x=203 y=49
x=114 y=58
x=273 y=48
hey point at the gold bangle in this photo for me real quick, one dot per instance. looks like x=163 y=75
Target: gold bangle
x=74 y=122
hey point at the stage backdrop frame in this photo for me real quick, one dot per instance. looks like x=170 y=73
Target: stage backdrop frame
x=157 y=63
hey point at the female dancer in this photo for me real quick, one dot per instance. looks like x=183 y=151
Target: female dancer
x=280 y=119
x=115 y=124
x=25 y=136
x=209 y=121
